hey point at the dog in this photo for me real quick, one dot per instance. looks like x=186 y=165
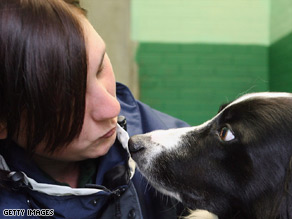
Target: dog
x=236 y=165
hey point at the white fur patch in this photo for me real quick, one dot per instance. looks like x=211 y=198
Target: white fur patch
x=168 y=138
x=201 y=214
x=164 y=140
x=261 y=95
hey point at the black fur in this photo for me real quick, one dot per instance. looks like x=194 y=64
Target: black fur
x=248 y=177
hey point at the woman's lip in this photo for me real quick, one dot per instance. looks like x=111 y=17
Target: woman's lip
x=109 y=133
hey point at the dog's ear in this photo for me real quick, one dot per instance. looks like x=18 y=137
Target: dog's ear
x=222 y=107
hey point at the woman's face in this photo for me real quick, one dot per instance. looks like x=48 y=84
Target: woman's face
x=101 y=110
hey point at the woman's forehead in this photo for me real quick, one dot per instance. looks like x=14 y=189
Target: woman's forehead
x=93 y=40
x=95 y=46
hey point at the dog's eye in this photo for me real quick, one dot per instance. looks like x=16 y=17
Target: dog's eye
x=226 y=134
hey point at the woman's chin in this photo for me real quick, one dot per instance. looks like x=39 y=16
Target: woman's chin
x=102 y=148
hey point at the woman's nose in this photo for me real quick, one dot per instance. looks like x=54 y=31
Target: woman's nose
x=104 y=104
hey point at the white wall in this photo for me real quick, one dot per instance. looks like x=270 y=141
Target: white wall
x=281 y=19
x=201 y=21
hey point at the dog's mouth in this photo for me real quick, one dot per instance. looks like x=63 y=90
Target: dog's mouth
x=167 y=160
x=140 y=148
x=144 y=151
x=148 y=155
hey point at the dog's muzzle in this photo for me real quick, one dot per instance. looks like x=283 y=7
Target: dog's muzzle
x=135 y=144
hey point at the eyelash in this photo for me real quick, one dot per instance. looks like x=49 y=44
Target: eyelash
x=100 y=69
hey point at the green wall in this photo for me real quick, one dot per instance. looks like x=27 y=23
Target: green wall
x=281 y=65
x=280 y=50
x=191 y=81
x=280 y=23
x=201 y=21
x=194 y=55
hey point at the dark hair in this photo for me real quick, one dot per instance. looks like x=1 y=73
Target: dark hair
x=43 y=71
x=76 y=3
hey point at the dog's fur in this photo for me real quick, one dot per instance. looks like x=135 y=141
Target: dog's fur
x=244 y=172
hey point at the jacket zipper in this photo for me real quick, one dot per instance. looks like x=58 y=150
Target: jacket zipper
x=117 y=194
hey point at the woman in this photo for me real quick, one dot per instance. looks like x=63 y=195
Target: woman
x=58 y=117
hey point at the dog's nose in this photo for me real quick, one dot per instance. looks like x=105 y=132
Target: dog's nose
x=135 y=145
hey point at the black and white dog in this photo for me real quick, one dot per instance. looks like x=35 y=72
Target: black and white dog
x=236 y=165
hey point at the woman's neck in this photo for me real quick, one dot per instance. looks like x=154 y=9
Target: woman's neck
x=61 y=171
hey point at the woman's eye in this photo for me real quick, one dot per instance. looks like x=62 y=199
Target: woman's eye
x=226 y=134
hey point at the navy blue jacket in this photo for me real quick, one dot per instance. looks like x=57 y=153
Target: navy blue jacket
x=114 y=194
